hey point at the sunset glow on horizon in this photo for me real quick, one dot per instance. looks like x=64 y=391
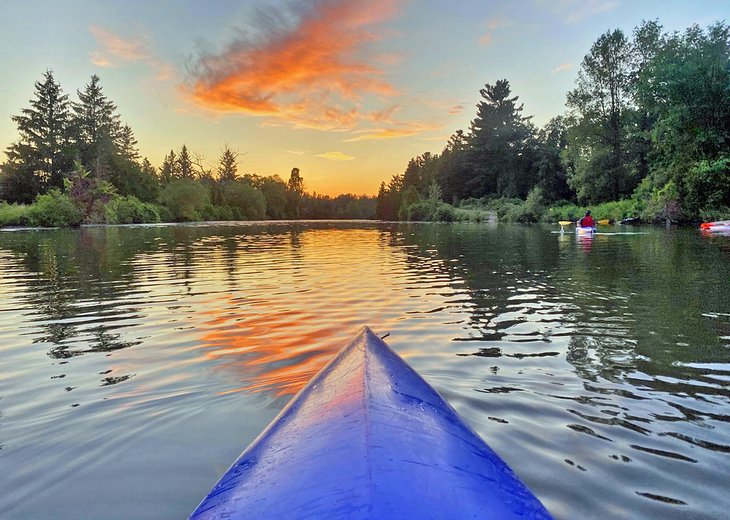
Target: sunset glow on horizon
x=346 y=91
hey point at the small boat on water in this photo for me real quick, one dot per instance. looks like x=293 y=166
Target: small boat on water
x=630 y=221
x=720 y=226
x=585 y=230
x=368 y=438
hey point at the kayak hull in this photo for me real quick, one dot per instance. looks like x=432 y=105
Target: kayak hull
x=368 y=438
x=585 y=230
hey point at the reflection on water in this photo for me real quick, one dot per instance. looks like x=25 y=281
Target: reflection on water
x=137 y=362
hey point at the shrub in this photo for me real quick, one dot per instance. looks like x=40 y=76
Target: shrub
x=185 y=199
x=444 y=213
x=55 y=209
x=131 y=210
x=707 y=186
x=16 y=215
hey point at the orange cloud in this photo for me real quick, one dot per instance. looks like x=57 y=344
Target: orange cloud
x=314 y=74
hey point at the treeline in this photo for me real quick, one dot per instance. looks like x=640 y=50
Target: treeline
x=647 y=129
x=76 y=162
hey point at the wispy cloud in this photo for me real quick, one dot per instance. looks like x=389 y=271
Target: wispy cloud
x=573 y=11
x=335 y=156
x=115 y=50
x=456 y=109
x=561 y=68
x=311 y=66
x=295 y=152
x=390 y=133
x=493 y=25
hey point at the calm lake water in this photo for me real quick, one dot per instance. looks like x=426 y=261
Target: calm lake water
x=137 y=362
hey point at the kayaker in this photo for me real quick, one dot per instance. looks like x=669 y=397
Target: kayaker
x=587 y=221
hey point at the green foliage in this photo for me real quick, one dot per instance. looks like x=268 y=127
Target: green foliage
x=614 y=211
x=663 y=205
x=707 y=185
x=185 y=199
x=16 y=215
x=55 y=209
x=130 y=210
x=245 y=201
x=89 y=194
x=409 y=197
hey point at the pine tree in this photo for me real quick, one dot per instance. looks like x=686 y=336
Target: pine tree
x=96 y=127
x=498 y=137
x=185 y=164
x=170 y=168
x=127 y=144
x=227 y=167
x=42 y=154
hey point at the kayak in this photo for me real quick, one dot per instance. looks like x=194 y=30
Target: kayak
x=368 y=438
x=631 y=221
x=721 y=226
x=585 y=230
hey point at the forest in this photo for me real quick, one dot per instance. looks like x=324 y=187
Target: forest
x=76 y=162
x=645 y=134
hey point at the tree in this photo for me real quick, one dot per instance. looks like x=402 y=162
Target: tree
x=601 y=102
x=41 y=155
x=295 y=192
x=497 y=140
x=227 y=165
x=275 y=192
x=185 y=199
x=96 y=127
x=170 y=168
x=185 y=164
x=247 y=202
x=127 y=144
x=453 y=170
x=551 y=169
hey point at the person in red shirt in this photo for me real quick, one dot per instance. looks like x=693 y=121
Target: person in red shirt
x=587 y=221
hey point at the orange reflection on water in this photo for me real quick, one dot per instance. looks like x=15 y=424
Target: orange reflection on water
x=272 y=351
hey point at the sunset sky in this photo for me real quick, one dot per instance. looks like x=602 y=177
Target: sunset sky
x=347 y=91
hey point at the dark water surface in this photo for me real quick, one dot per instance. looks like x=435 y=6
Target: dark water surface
x=137 y=362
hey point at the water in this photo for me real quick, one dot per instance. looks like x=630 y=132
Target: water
x=137 y=362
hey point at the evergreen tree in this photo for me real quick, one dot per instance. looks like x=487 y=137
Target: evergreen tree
x=497 y=140
x=127 y=144
x=295 y=192
x=39 y=158
x=96 y=127
x=453 y=171
x=227 y=167
x=170 y=168
x=185 y=164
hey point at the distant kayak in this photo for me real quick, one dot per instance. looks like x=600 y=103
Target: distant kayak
x=631 y=221
x=368 y=438
x=720 y=226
